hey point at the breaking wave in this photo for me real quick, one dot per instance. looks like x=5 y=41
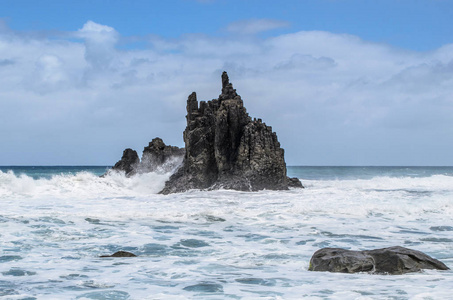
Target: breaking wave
x=81 y=185
x=221 y=243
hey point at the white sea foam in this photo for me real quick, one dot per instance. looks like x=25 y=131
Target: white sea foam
x=218 y=244
x=81 y=185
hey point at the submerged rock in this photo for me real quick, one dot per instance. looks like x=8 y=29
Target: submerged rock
x=393 y=260
x=225 y=148
x=120 y=254
x=205 y=287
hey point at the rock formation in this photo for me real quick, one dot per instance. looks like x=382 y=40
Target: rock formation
x=393 y=260
x=128 y=162
x=157 y=157
x=120 y=254
x=225 y=148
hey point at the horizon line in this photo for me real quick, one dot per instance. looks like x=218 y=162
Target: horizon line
x=307 y=166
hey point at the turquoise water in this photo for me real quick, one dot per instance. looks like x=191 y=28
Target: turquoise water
x=55 y=222
x=341 y=173
x=305 y=172
x=46 y=172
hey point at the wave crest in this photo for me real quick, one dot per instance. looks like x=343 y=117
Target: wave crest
x=82 y=184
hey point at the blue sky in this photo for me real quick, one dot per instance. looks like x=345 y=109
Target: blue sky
x=412 y=24
x=341 y=82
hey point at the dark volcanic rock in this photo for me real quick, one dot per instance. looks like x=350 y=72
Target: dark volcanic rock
x=393 y=260
x=120 y=254
x=225 y=148
x=157 y=155
x=128 y=162
x=294 y=182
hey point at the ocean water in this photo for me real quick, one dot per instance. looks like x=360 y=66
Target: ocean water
x=55 y=222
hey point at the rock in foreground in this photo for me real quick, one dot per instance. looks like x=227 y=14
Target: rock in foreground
x=393 y=260
x=225 y=148
x=120 y=254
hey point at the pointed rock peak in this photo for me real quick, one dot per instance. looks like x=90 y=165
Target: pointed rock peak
x=192 y=104
x=156 y=143
x=228 y=92
x=225 y=80
x=193 y=97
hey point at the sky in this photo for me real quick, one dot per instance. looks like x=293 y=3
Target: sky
x=341 y=82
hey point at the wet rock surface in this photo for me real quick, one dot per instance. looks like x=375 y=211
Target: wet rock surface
x=120 y=254
x=156 y=157
x=128 y=162
x=225 y=148
x=393 y=260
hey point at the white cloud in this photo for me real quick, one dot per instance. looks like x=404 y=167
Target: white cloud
x=91 y=28
x=332 y=98
x=255 y=26
x=100 y=41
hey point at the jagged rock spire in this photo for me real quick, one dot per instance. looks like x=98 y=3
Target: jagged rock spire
x=228 y=92
x=192 y=106
x=225 y=80
x=226 y=149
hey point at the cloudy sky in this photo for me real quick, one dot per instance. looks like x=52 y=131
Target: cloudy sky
x=341 y=82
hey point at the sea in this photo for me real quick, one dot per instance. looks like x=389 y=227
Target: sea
x=56 y=222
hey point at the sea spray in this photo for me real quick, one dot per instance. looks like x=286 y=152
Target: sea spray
x=81 y=185
x=216 y=244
